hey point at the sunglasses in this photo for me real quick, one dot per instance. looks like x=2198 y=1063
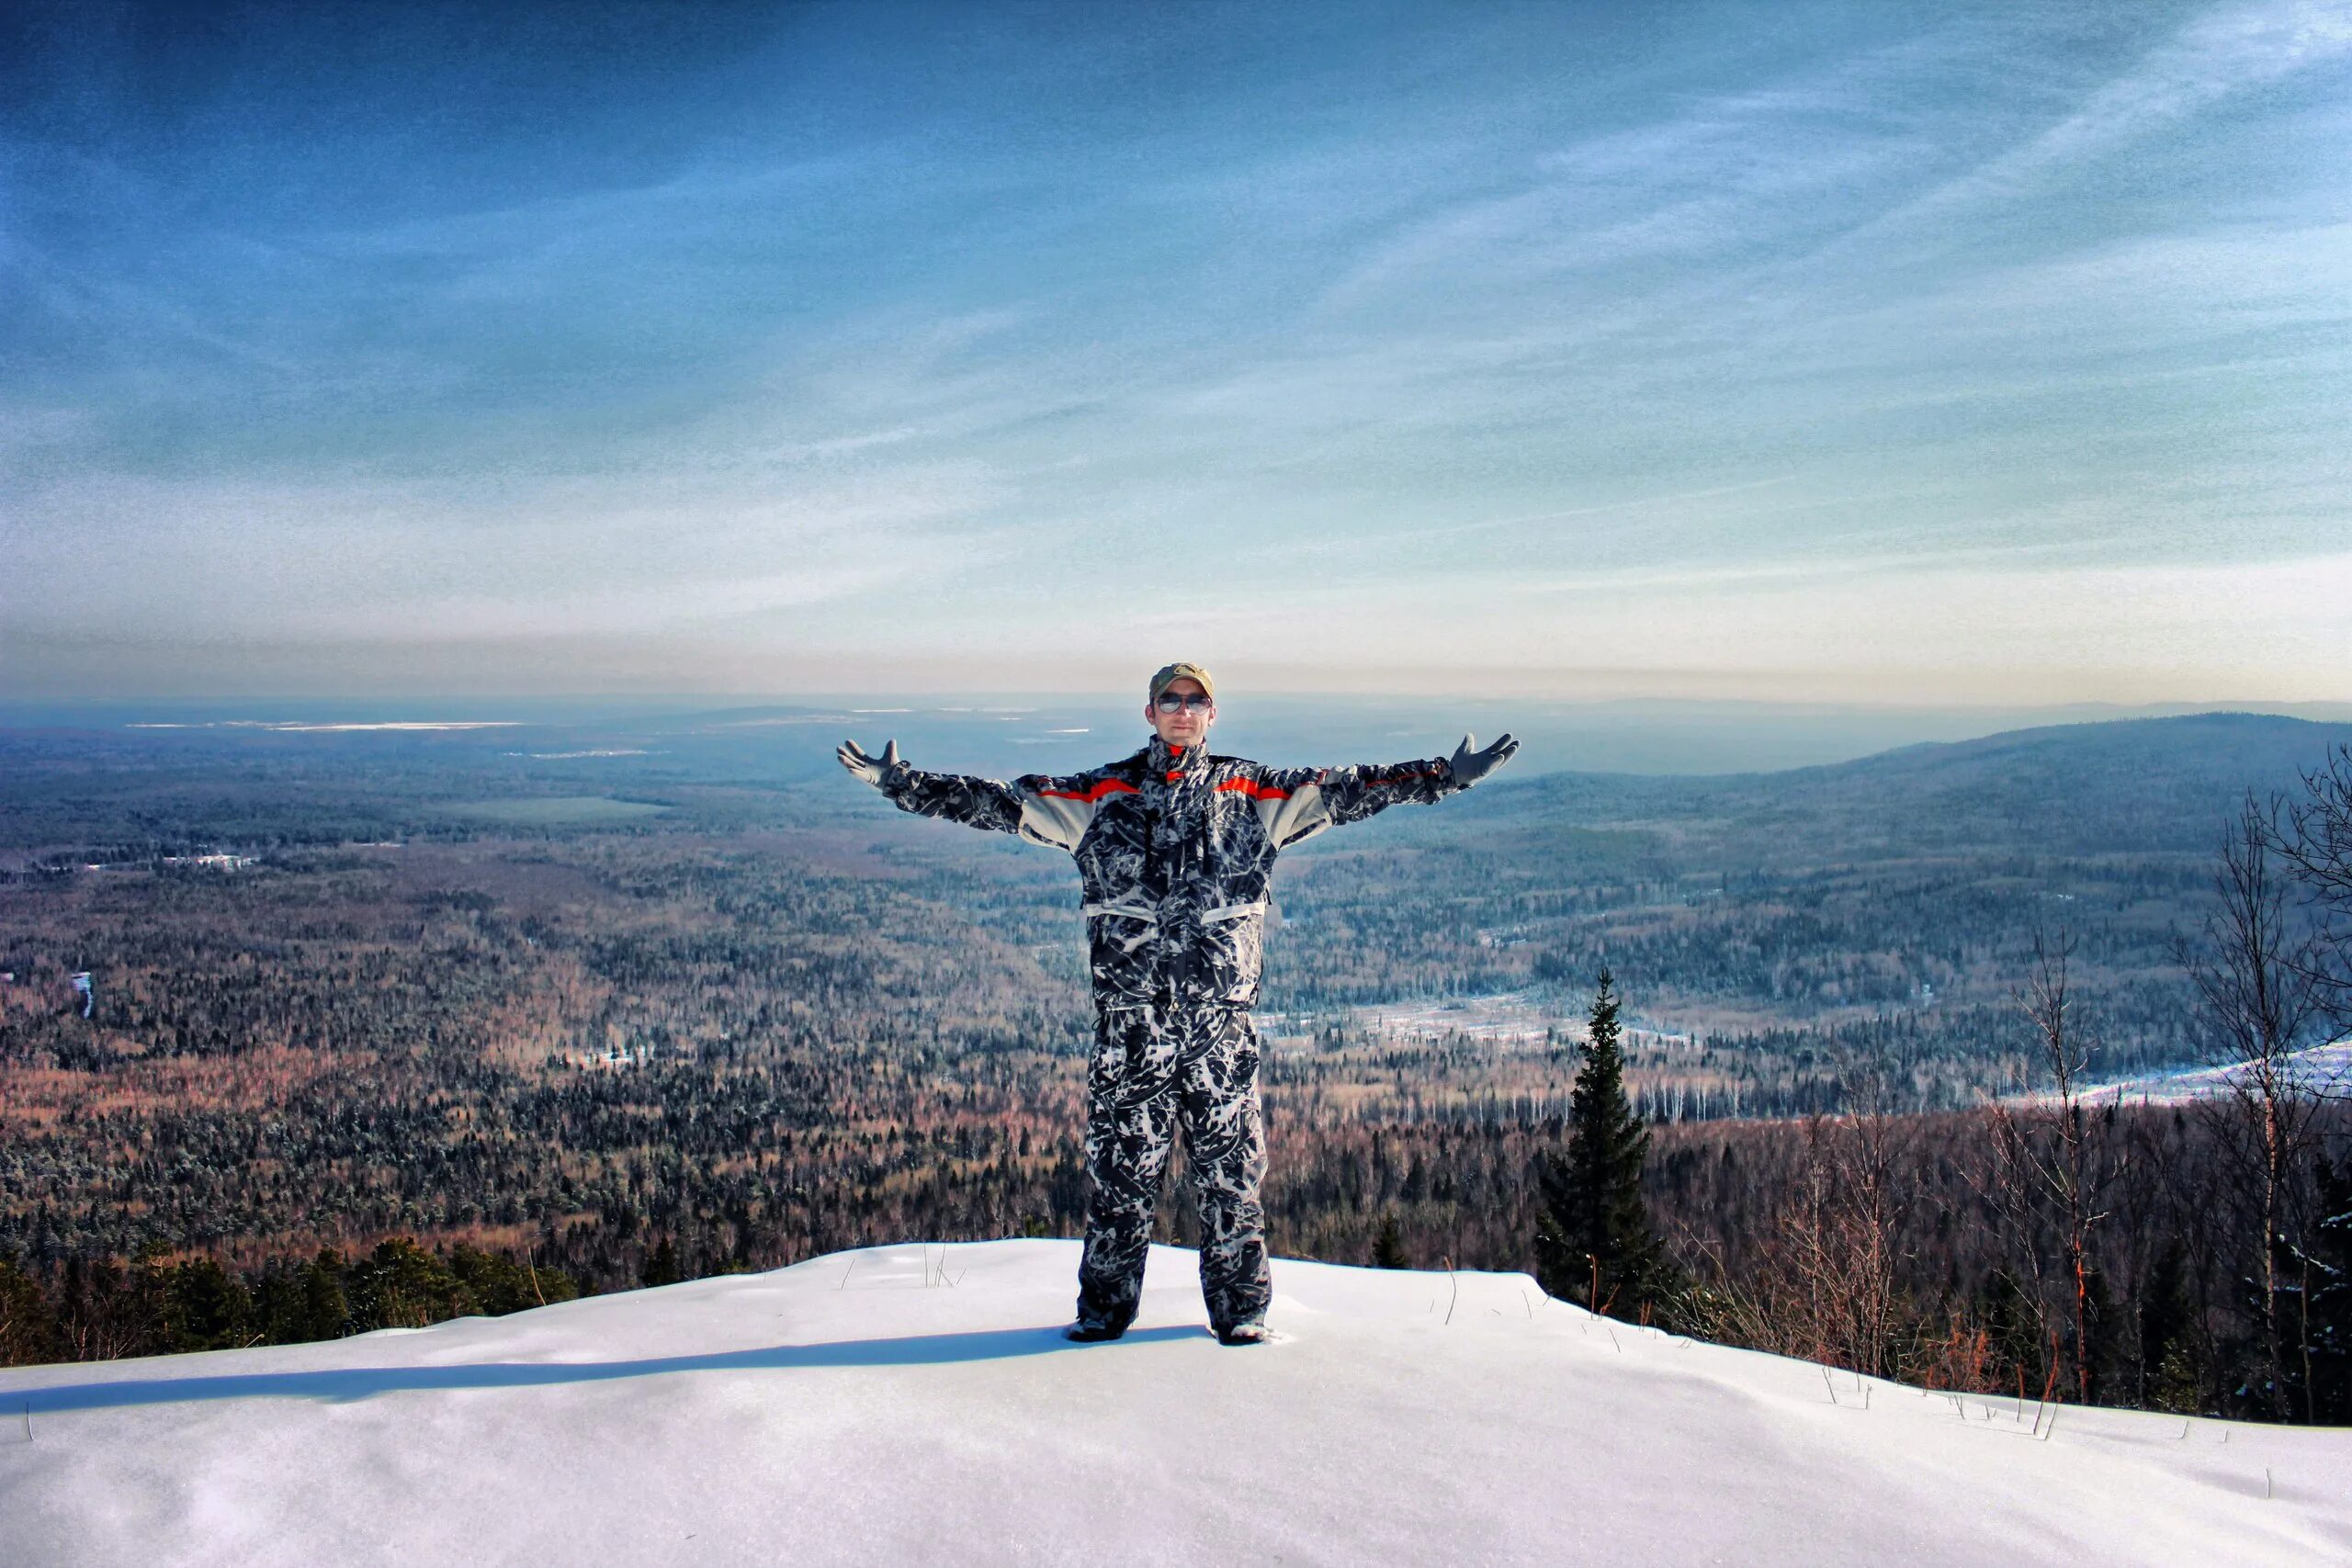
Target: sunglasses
x=1170 y=703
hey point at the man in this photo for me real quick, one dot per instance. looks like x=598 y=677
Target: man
x=1174 y=848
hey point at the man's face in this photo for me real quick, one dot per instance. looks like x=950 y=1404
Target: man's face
x=1189 y=724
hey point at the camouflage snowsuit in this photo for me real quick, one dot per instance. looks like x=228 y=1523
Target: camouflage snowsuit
x=1174 y=849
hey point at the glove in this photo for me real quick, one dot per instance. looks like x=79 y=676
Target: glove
x=1470 y=765
x=866 y=765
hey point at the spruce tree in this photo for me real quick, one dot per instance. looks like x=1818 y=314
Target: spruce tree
x=1388 y=1248
x=2168 y=1375
x=325 y=1311
x=29 y=1333
x=1593 y=1241
x=401 y=1285
x=2328 y=1327
x=211 y=1310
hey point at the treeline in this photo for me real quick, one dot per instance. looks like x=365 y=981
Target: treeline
x=1920 y=1248
x=1939 y=1059
x=850 y=1040
x=1957 y=1252
x=86 y=1310
x=2192 y=1258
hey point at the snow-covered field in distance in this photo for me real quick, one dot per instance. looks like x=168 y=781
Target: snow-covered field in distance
x=1523 y=1019
x=917 y=1405
x=2325 y=1070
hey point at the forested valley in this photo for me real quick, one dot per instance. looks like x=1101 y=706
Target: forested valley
x=374 y=1035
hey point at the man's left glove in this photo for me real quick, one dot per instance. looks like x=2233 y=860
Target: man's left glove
x=1471 y=764
x=866 y=765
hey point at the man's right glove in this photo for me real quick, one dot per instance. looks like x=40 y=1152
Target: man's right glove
x=1470 y=765
x=866 y=765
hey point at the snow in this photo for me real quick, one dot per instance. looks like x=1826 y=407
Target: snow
x=917 y=1403
x=2320 y=1070
x=1521 y=1020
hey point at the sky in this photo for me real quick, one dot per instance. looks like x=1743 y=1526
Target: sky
x=1778 y=351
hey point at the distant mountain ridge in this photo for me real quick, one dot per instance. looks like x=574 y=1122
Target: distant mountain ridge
x=2244 y=736
x=2123 y=785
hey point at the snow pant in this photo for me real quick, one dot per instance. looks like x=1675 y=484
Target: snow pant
x=1154 y=1071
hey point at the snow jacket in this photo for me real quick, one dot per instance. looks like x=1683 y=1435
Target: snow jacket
x=1174 y=848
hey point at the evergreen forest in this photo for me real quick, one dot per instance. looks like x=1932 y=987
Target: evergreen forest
x=375 y=1034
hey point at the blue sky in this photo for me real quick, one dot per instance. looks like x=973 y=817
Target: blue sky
x=1859 y=352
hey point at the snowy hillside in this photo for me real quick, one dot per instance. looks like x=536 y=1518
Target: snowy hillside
x=911 y=1404
x=2323 y=1071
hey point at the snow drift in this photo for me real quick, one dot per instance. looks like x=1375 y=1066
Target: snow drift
x=914 y=1404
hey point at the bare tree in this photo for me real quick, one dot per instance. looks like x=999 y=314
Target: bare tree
x=2317 y=843
x=1826 y=1285
x=2259 y=978
x=1875 y=1194
x=2053 y=1168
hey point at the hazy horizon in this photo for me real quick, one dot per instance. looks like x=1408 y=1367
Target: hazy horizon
x=1005 y=734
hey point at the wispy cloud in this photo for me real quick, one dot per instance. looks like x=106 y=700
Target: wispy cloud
x=1605 y=508
x=1701 y=178
x=1143 y=339
x=2218 y=55
x=433 y=563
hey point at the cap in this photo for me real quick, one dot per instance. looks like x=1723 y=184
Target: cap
x=1170 y=673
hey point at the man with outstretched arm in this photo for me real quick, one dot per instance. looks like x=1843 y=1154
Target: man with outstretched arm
x=1174 y=848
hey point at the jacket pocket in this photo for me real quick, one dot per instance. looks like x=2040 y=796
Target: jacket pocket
x=1122 y=941
x=1231 y=950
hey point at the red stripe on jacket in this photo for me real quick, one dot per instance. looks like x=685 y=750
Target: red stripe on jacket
x=1108 y=786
